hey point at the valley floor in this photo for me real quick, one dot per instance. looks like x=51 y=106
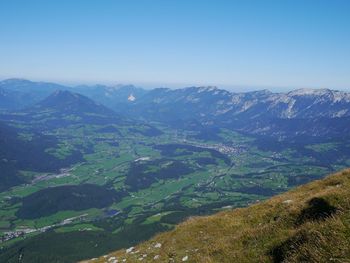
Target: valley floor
x=154 y=181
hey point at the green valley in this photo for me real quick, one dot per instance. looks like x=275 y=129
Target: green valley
x=155 y=181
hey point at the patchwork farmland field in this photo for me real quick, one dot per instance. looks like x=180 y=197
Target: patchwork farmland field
x=149 y=181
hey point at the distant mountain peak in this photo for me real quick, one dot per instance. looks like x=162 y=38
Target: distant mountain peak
x=70 y=102
x=131 y=98
x=14 y=81
x=122 y=86
x=208 y=88
x=65 y=94
x=262 y=92
x=308 y=92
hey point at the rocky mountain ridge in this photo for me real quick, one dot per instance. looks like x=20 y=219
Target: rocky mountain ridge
x=299 y=113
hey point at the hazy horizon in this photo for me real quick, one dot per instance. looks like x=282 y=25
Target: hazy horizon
x=149 y=86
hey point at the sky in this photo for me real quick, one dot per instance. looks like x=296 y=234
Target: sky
x=171 y=43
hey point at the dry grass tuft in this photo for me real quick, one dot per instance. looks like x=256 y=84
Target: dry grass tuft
x=308 y=224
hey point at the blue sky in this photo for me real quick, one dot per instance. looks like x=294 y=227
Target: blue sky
x=237 y=44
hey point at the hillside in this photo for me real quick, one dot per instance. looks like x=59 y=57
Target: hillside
x=308 y=112
x=308 y=224
x=66 y=102
x=14 y=149
x=209 y=102
x=62 y=108
x=20 y=93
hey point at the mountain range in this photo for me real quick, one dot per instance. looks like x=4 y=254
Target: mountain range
x=66 y=103
x=303 y=113
x=155 y=158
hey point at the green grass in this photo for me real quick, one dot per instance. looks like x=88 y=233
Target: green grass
x=322 y=147
x=77 y=227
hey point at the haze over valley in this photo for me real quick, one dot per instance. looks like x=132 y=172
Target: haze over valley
x=174 y=131
x=108 y=167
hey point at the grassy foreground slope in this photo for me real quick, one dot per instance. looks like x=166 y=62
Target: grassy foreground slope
x=308 y=224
